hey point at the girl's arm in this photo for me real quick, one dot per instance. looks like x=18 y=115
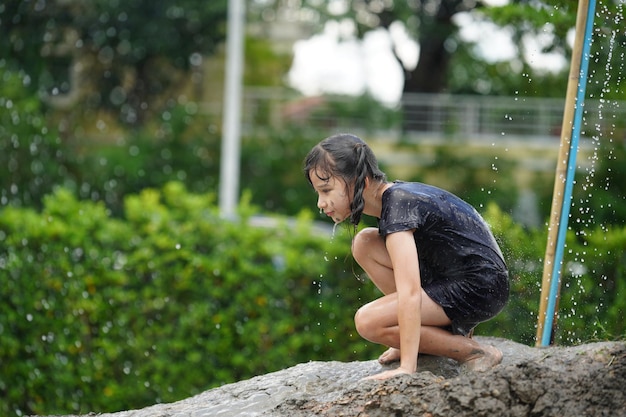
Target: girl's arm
x=404 y=259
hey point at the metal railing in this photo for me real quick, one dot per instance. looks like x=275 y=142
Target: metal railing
x=451 y=115
x=437 y=115
x=493 y=116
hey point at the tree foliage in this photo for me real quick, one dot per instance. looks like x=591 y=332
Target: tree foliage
x=429 y=21
x=121 y=55
x=554 y=22
x=448 y=63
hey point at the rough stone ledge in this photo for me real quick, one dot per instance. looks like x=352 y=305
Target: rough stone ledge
x=585 y=380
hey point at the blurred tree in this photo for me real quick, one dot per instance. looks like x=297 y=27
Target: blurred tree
x=448 y=63
x=108 y=53
x=429 y=21
x=552 y=23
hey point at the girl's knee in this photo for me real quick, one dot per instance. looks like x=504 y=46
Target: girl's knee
x=363 y=324
x=363 y=241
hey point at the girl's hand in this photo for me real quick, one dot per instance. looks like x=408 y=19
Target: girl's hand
x=388 y=374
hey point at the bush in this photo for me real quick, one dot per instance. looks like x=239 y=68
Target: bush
x=176 y=149
x=103 y=314
x=100 y=314
x=592 y=298
x=32 y=154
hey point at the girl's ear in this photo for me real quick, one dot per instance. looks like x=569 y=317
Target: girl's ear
x=367 y=182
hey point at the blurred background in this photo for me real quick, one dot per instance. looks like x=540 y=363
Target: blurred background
x=122 y=284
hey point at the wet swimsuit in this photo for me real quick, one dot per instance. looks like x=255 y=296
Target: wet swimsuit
x=461 y=266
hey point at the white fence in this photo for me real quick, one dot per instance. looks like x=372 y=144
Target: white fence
x=437 y=115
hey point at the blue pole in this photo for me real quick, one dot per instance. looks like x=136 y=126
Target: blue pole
x=569 y=181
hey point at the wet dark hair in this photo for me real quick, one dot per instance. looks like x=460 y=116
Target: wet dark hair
x=347 y=157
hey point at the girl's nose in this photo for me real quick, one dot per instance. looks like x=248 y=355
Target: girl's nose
x=320 y=203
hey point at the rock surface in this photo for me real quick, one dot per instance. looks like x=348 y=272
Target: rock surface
x=586 y=380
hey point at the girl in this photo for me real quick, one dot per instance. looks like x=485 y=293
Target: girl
x=432 y=256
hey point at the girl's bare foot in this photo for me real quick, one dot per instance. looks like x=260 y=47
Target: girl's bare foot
x=483 y=359
x=388 y=374
x=389 y=356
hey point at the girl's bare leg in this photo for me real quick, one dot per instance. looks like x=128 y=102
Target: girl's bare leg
x=378 y=321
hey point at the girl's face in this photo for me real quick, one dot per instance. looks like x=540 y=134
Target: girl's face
x=332 y=196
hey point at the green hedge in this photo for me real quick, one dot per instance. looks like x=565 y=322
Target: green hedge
x=592 y=301
x=101 y=313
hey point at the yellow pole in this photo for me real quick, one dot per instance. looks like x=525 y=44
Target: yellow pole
x=561 y=167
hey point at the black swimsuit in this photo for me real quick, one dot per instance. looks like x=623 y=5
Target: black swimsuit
x=461 y=266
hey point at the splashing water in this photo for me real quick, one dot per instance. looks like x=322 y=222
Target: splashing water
x=602 y=132
x=319 y=290
x=586 y=217
x=318 y=283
